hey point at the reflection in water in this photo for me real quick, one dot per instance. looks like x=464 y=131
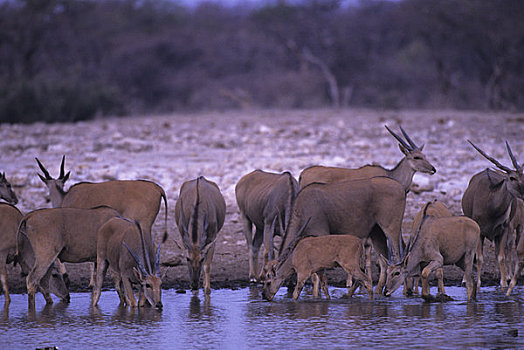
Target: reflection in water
x=5 y=313
x=141 y=315
x=241 y=319
x=198 y=310
x=51 y=312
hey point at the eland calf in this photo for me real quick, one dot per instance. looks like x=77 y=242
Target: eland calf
x=439 y=241
x=438 y=210
x=314 y=254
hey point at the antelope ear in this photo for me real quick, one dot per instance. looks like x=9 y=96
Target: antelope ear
x=66 y=177
x=403 y=149
x=138 y=274
x=405 y=260
x=208 y=246
x=383 y=259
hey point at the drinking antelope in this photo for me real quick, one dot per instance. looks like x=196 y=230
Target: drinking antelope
x=314 y=254
x=121 y=247
x=199 y=213
x=69 y=234
x=439 y=241
x=371 y=208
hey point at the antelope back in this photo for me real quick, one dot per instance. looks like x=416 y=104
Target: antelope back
x=199 y=212
x=262 y=195
x=133 y=199
x=435 y=208
x=322 y=174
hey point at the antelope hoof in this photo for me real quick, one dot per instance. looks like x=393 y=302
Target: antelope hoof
x=443 y=298
x=428 y=298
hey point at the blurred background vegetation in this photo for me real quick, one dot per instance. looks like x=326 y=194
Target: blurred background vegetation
x=69 y=60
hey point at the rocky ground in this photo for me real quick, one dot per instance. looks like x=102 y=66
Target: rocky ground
x=223 y=146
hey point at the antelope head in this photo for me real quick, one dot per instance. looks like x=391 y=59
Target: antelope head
x=395 y=276
x=514 y=177
x=148 y=276
x=397 y=272
x=271 y=286
x=194 y=235
x=55 y=186
x=6 y=192
x=416 y=159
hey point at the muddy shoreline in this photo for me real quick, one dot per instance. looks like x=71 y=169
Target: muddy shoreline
x=223 y=146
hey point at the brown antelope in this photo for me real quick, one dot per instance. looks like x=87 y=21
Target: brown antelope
x=263 y=198
x=314 y=254
x=516 y=243
x=10 y=218
x=439 y=241
x=199 y=213
x=134 y=199
x=6 y=192
x=519 y=264
x=438 y=210
x=52 y=282
x=69 y=234
x=118 y=242
x=489 y=199
x=367 y=208
x=414 y=160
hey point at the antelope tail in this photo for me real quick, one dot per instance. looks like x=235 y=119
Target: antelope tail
x=21 y=230
x=291 y=202
x=164 y=237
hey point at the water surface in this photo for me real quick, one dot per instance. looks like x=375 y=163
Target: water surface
x=240 y=319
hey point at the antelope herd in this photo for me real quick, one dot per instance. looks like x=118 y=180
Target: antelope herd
x=330 y=217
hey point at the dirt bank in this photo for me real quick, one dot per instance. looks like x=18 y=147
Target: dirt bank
x=224 y=146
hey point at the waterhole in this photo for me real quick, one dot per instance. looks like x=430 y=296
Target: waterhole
x=241 y=319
